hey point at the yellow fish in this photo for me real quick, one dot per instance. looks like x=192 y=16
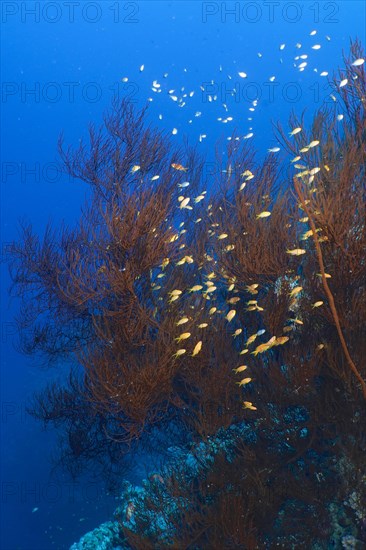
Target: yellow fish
x=135 y=168
x=318 y=304
x=182 y=321
x=296 y=251
x=327 y=276
x=251 y=339
x=314 y=171
x=183 y=336
x=237 y=332
x=244 y=381
x=295 y=291
x=240 y=369
x=184 y=202
x=197 y=348
x=203 y=325
x=230 y=316
x=261 y=349
x=252 y=288
x=182 y=261
x=175 y=292
x=249 y=405
x=196 y=288
x=281 y=340
x=264 y=214
x=199 y=198
x=211 y=289
x=306 y=235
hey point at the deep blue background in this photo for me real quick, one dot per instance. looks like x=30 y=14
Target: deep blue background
x=74 y=62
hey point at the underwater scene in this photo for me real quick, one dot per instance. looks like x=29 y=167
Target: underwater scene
x=183 y=275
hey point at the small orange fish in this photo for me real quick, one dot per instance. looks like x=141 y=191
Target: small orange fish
x=177 y=166
x=244 y=381
x=281 y=340
x=249 y=405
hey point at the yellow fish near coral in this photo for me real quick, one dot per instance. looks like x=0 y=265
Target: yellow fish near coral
x=251 y=339
x=230 y=316
x=249 y=405
x=244 y=381
x=183 y=336
x=196 y=288
x=184 y=202
x=264 y=214
x=197 y=348
x=295 y=291
x=175 y=292
x=252 y=288
x=240 y=369
x=281 y=340
x=296 y=251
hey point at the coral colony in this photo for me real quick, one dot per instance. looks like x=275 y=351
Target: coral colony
x=222 y=322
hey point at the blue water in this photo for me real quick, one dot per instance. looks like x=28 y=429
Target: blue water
x=61 y=65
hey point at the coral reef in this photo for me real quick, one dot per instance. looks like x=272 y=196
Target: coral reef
x=231 y=319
